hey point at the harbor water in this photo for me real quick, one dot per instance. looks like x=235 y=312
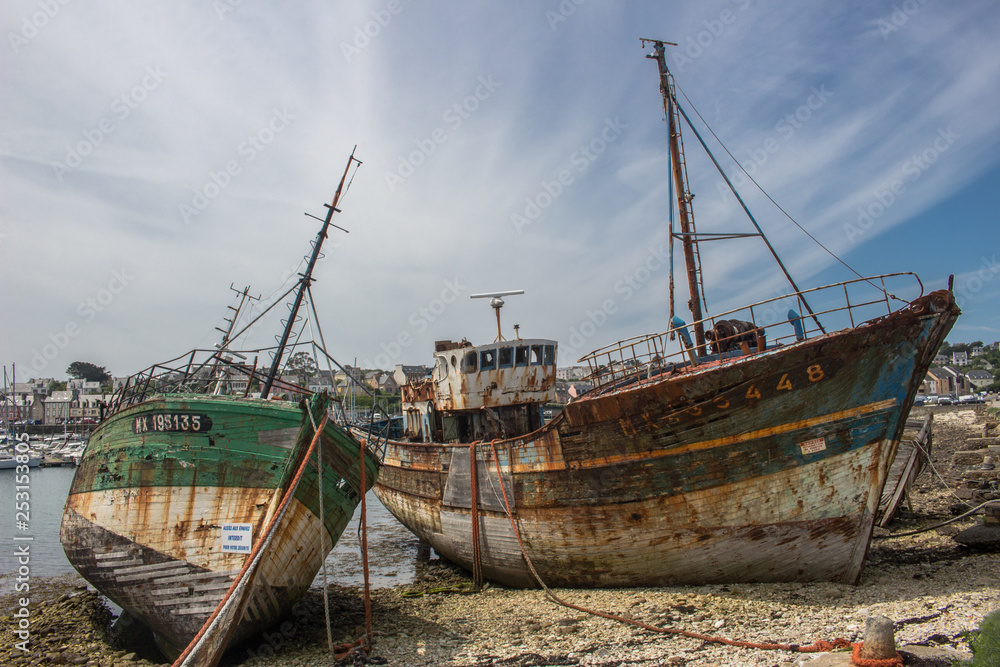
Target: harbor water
x=392 y=549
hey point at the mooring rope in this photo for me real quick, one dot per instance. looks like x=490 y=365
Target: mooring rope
x=195 y=651
x=939 y=525
x=477 y=562
x=322 y=539
x=818 y=646
x=361 y=644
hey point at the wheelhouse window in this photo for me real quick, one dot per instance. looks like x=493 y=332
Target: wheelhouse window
x=488 y=360
x=550 y=355
x=506 y=357
x=521 y=355
x=469 y=364
x=536 y=355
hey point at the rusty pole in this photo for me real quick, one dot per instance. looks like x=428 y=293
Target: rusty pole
x=683 y=196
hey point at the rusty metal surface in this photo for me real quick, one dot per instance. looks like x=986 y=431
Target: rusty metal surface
x=523 y=378
x=761 y=468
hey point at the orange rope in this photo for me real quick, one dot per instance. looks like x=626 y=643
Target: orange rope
x=253 y=559
x=819 y=646
x=873 y=662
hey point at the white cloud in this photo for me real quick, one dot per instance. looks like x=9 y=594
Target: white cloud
x=333 y=76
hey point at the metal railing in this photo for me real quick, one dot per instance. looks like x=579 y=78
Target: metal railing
x=645 y=356
x=212 y=372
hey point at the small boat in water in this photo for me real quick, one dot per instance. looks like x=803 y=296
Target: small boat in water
x=9 y=461
x=179 y=480
x=756 y=451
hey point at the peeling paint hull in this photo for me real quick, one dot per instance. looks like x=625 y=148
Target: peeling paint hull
x=143 y=519
x=767 y=467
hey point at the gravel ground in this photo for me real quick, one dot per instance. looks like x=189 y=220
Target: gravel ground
x=933 y=589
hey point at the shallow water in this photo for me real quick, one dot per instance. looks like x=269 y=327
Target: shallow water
x=392 y=549
x=47 y=489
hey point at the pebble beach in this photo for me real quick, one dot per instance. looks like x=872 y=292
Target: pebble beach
x=934 y=590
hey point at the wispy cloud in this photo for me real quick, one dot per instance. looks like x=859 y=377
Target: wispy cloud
x=246 y=117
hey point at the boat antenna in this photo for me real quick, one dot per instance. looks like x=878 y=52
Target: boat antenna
x=689 y=241
x=497 y=302
x=242 y=297
x=306 y=277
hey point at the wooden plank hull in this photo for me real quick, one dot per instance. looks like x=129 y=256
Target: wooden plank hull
x=760 y=468
x=144 y=518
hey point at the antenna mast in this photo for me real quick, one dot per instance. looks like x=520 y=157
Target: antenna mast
x=497 y=304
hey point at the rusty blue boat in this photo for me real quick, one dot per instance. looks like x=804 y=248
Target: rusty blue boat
x=747 y=446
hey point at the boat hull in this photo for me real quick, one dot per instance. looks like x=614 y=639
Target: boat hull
x=761 y=468
x=149 y=509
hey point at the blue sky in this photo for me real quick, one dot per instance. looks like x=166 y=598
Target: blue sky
x=155 y=153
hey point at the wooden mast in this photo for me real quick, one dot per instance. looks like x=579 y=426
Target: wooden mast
x=687 y=233
x=305 y=281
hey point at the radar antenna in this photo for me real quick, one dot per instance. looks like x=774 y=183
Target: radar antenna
x=496 y=301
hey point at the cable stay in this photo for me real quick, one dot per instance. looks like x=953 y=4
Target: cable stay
x=306 y=276
x=688 y=235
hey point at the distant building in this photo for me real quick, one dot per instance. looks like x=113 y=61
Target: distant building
x=58 y=405
x=21 y=407
x=82 y=386
x=405 y=374
x=941 y=359
x=387 y=384
x=89 y=408
x=980 y=379
x=944 y=381
x=322 y=381
x=38 y=387
x=960 y=358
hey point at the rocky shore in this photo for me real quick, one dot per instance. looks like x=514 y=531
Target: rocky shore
x=934 y=590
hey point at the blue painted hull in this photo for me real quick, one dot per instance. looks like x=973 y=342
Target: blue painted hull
x=767 y=467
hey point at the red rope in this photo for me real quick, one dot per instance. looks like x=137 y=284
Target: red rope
x=819 y=646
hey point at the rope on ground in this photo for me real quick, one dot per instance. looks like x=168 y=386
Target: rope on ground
x=819 y=646
x=939 y=525
x=457 y=588
x=938 y=474
x=477 y=563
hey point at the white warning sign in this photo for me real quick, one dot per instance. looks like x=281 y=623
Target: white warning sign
x=237 y=538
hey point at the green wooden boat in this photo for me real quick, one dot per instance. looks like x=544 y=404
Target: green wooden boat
x=194 y=501
x=172 y=492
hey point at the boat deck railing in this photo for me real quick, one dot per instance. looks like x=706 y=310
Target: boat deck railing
x=196 y=372
x=847 y=304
